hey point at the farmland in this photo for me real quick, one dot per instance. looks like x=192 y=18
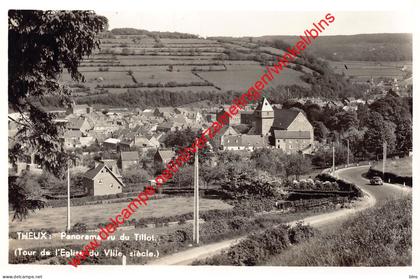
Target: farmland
x=365 y=70
x=130 y=66
x=192 y=65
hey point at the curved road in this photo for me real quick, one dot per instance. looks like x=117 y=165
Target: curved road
x=376 y=195
x=380 y=193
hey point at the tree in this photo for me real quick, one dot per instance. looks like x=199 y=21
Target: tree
x=185 y=177
x=247 y=185
x=378 y=132
x=136 y=174
x=391 y=108
x=346 y=120
x=320 y=131
x=404 y=136
x=323 y=158
x=41 y=45
x=296 y=164
x=180 y=138
x=268 y=160
x=25 y=195
x=354 y=136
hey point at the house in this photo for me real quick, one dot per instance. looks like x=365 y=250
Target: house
x=70 y=139
x=191 y=114
x=141 y=141
x=211 y=116
x=153 y=141
x=129 y=159
x=244 y=142
x=295 y=131
x=111 y=143
x=125 y=145
x=79 y=109
x=292 y=141
x=81 y=124
x=165 y=112
x=112 y=165
x=163 y=156
x=247 y=117
x=223 y=132
x=236 y=119
x=101 y=180
x=169 y=126
x=146 y=142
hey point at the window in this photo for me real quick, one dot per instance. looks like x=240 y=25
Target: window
x=100 y=181
x=111 y=185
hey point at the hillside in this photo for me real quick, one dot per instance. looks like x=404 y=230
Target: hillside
x=171 y=62
x=362 y=47
x=143 y=68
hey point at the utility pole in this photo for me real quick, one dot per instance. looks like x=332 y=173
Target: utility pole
x=68 y=196
x=348 y=152
x=383 y=160
x=196 y=229
x=333 y=162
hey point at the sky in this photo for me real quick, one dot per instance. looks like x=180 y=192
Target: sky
x=259 y=23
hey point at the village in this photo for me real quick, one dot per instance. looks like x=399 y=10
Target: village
x=330 y=137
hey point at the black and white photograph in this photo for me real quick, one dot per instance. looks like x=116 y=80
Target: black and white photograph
x=208 y=138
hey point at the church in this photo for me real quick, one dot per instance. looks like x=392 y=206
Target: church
x=285 y=129
x=288 y=129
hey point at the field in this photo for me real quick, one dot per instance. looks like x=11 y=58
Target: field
x=222 y=64
x=94 y=214
x=401 y=167
x=159 y=76
x=188 y=65
x=240 y=77
x=365 y=70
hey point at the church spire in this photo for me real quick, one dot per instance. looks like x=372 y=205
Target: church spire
x=264 y=106
x=264 y=117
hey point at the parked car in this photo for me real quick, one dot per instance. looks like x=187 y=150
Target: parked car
x=376 y=180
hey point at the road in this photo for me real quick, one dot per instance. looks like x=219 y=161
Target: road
x=380 y=193
x=374 y=195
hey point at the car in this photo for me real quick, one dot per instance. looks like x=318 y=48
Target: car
x=376 y=180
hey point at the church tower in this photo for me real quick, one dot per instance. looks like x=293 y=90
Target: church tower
x=264 y=118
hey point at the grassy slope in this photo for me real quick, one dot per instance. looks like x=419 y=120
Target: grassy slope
x=401 y=167
x=375 y=237
x=95 y=214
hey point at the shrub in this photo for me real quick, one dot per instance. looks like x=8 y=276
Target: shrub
x=380 y=236
x=79 y=228
x=254 y=249
x=300 y=232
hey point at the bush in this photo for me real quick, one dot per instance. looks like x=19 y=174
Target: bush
x=391 y=177
x=79 y=228
x=254 y=249
x=380 y=236
x=300 y=232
